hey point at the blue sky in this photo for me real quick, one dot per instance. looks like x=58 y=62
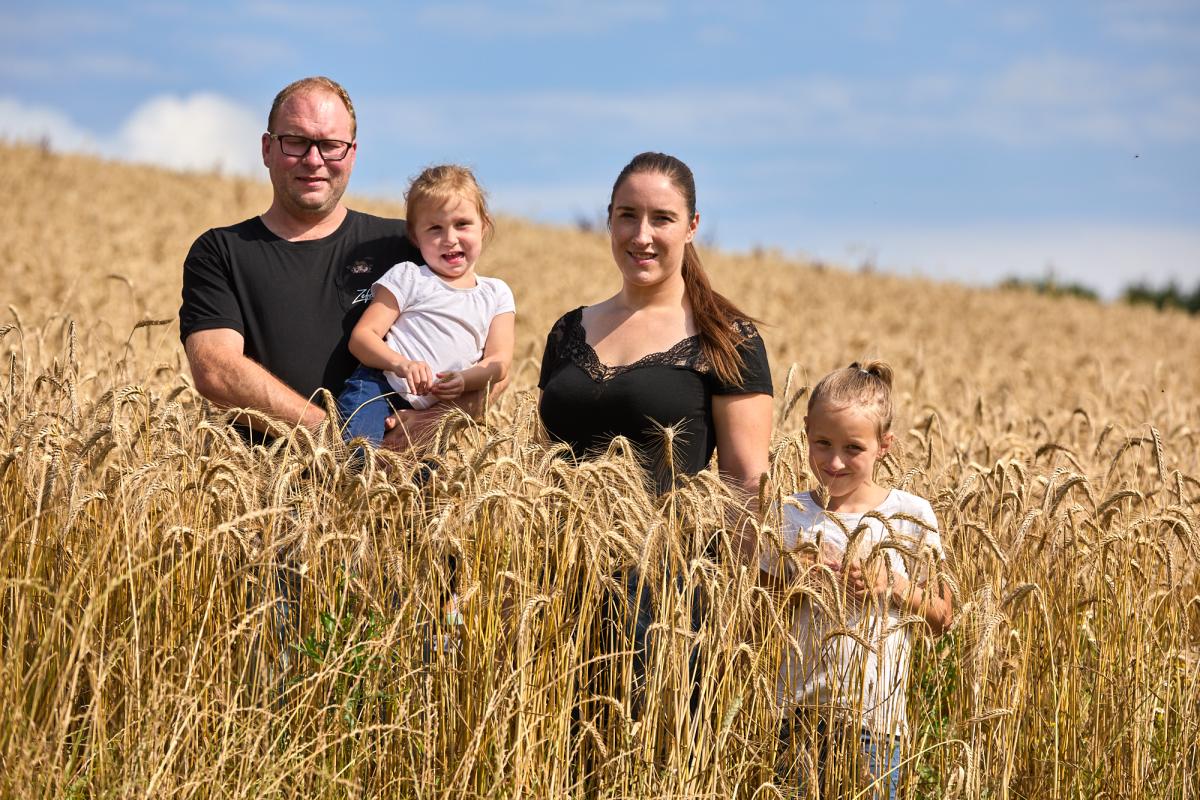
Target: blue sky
x=957 y=139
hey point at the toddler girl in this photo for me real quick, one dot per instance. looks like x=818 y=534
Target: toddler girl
x=435 y=334
x=843 y=694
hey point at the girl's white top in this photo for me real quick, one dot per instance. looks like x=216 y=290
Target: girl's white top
x=443 y=326
x=828 y=670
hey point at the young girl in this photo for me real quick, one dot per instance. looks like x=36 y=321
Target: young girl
x=843 y=694
x=435 y=334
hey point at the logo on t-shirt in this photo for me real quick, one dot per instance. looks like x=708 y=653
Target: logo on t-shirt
x=360 y=267
x=363 y=296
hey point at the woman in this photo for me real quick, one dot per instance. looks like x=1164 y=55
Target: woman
x=666 y=350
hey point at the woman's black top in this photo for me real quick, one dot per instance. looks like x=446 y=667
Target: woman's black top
x=585 y=403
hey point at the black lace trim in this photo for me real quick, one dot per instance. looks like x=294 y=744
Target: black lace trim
x=571 y=343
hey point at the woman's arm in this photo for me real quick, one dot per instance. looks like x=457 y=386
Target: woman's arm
x=491 y=370
x=743 y=427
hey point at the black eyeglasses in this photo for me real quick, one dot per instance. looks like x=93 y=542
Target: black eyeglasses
x=298 y=146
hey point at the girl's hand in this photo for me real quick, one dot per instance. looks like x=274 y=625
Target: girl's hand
x=870 y=583
x=449 y=385
x=418 y=375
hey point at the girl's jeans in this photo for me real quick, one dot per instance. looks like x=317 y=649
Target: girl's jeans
x=881 y=755
x=365 y=403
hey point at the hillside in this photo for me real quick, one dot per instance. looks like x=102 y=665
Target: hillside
x=149 y=648
x=103 y=244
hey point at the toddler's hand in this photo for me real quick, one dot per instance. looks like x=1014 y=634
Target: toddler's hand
x=418 y=375
x=449 y=385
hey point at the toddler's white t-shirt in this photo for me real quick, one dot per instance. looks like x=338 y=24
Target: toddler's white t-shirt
x=439 y=324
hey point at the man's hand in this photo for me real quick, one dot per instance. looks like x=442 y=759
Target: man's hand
x=411 y=429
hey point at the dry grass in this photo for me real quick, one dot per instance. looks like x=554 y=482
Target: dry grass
x=144 y=649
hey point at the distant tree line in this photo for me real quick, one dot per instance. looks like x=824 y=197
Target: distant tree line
x=1172 y=295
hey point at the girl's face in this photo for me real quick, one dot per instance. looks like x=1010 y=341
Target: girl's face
x=650 y=225
x=843 y=447
x=451 y=240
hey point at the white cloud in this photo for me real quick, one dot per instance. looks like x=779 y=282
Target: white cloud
x=1152 y=22
x=24 y=123
x=202 y=132
x=1056 y=98
x=1050 y=99
x=1106 y=258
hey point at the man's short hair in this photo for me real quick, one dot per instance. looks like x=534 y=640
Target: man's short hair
x=314 y=83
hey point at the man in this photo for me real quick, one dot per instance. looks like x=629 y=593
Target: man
x=269 y=303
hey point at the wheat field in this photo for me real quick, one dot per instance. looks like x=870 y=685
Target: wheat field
x=181 y=616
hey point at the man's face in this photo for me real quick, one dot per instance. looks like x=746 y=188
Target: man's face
x=308 y=186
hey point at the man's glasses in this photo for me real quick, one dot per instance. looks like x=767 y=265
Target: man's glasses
x=298 y=146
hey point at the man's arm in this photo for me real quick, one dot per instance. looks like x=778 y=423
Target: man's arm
x=225 y=376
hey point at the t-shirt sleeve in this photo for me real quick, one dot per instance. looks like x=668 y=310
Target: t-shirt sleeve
x=923 y=541
x=400 y=280
x=931 y=536
x=209 y=301
x=755 y=376
x=551 y=355
x=505 y=302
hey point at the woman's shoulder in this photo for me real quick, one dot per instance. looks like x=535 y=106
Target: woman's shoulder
x=564 y=332
x=562 y=344
x=567 y=321
x=754 y=370
x=744 y=328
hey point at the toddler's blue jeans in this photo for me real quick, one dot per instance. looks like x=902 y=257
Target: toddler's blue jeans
x=366 y=401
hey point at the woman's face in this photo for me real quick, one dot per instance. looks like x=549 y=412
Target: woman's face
x=650 y=225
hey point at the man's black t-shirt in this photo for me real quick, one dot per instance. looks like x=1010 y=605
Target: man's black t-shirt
x=294 y=303
x=586 y=403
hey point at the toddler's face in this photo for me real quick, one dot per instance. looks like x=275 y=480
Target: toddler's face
x=451 y=239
